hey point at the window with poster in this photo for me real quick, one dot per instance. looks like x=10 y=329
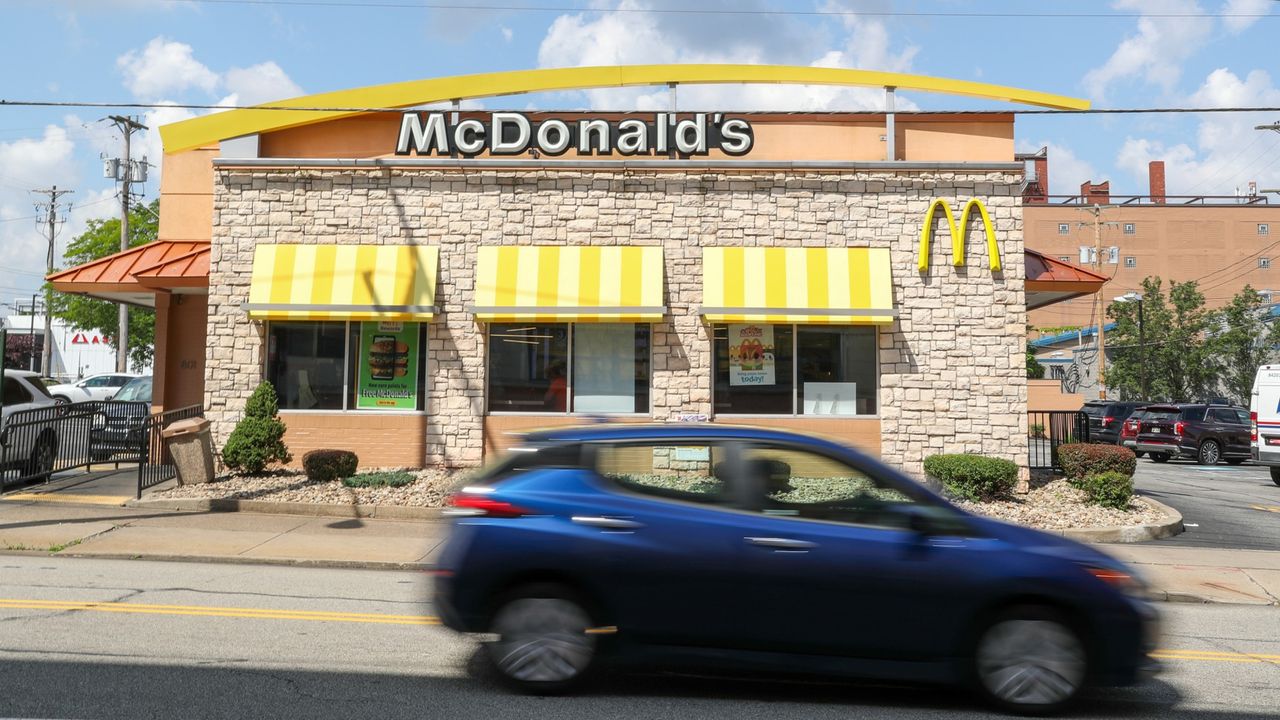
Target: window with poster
x=783 y=369
x=584 y=368
x=357 y=366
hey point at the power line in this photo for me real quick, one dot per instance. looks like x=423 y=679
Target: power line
x=300 y=108
x=387 y=5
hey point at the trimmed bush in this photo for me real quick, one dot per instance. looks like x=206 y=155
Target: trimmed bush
x=258 y=439
x=328 y=465
x=1037 y=431
x=973 y=477
x=394 y=478
x=1108 y=489
x=1079 y=460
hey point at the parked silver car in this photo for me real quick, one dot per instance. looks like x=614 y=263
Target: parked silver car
x=31 y=449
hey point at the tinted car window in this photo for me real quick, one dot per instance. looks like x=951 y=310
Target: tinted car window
x=14 y=393
x=1093 y=410
x=1165 y=415
x=38 y=384
x=1193 y=414
x=691 y=473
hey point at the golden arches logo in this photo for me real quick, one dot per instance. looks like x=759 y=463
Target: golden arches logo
x=958 y=233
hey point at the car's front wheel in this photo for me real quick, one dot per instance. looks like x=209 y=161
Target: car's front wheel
x=40 y=465
x=1030 y=660
x=1235 y=461
x=1159 y=457
x=1210 y=453
x=1275 y=475
x=544 y=644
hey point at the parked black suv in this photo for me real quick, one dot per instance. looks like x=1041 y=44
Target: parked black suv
x=1106 y=417
x=1208 y=433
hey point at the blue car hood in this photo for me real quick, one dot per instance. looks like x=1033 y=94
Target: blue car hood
x=1045 y=543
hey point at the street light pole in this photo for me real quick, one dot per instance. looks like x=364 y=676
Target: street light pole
x=1142 y=343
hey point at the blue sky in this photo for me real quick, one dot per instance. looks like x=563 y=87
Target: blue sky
x=1128 y=53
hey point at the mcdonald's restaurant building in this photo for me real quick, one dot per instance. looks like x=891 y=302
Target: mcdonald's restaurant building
x=418 y=285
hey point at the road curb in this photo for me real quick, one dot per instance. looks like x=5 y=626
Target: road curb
x=240 y=560
x=1170 y=526
x=271 y=507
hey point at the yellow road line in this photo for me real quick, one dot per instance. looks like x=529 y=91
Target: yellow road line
x=76 y=499
x=1214 y=656
x=1266 y=508
x=209 y=611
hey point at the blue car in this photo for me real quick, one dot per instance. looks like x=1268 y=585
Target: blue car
x=743 y=549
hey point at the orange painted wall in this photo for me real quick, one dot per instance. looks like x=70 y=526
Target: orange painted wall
x=378 y=440
x=186 y=195
x=178 y=379
x=778 y=137
x=1047 y=395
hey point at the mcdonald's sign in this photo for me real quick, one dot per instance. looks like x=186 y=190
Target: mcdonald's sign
x=958 y=233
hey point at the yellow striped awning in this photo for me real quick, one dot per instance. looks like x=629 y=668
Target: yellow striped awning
x=343 y=282
x=558 y=283
x=797 y=285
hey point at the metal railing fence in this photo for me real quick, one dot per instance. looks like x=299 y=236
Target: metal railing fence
x=36 y=443
x=1047 y=430
x=155 y=464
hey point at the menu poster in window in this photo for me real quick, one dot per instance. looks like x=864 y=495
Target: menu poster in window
x=751 y=355
x=388 y=366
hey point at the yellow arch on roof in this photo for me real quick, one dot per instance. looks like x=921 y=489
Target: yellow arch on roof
x=208 y=129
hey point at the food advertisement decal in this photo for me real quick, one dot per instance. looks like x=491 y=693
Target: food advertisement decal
x=388 y=366
x=751 y=355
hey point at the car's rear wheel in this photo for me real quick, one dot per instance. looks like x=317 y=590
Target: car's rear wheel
x=1159 y=457
x=1210 y=453
x=1138 y=453
x=543 y=644
x=1030 y=660
x=1275 y=475
x=40 y=465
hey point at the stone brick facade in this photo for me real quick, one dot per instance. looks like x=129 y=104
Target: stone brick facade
x=952 y=375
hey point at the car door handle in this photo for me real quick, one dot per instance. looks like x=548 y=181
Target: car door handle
x=778 y=543
x=606 y=523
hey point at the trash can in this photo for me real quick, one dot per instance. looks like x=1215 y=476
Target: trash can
x=191 y=447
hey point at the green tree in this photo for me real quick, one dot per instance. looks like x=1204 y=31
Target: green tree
x=1035 y=371
x=100 y=239
x=1243 y=341
x=1174 y=350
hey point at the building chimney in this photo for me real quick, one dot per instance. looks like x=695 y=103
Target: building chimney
x=1096 y=194
x=1155 y=170
x=1035 y=187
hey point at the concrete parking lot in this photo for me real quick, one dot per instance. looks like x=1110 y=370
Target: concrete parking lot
x=1221 y=506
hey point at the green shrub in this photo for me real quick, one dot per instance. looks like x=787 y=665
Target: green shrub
x=1109 y=489
x=973 y=477
x=394 y=478
x=1037 y=430
x=258 y=439
x=328 y=465
x=1081 y=459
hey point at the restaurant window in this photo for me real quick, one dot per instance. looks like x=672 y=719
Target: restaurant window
x=763 y=369
x=375 y=366
x=569 y=368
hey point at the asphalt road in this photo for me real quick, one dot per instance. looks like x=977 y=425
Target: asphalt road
x=234 y=641
x=1221 y=506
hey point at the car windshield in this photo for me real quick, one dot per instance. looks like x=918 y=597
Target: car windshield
x=138 y=389
x=38 y=384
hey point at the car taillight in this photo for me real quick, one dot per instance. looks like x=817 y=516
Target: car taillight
x=1106 y=421
x=478 y=502
x=1178 y=427
x=1253 y=427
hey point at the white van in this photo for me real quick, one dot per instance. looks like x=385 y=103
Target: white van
x=1264 y=410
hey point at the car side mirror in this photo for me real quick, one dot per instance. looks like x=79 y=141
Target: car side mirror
x=920 y=522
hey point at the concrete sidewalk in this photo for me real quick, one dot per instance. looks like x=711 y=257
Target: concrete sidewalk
x=1186 y=574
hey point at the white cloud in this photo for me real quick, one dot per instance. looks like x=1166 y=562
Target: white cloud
x=507 y=34
x=1227 y=152
x=1156 y=51
x=28 y=164
x=608 y=37
x=257 y=84
x=164 y=67
x=1067 y=171
x=1245 y=8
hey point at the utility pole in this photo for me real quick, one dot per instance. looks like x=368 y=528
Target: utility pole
x=125 y=173
x=50 y=219
x=1102 y=320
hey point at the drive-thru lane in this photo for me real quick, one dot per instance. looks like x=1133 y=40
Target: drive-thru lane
x=1222 y=506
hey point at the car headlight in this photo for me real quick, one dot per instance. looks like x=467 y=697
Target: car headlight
x=1123 y=580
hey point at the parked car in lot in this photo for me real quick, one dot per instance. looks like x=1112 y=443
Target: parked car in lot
x=94 y=387
x=1207 y=433
x=120 y=429
x=30 y=447
x=1129 y=430
x=1264 y=413
x=1106 y=418
x=743 y=548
